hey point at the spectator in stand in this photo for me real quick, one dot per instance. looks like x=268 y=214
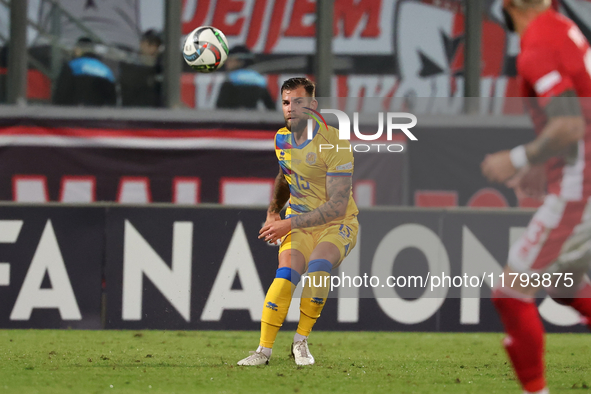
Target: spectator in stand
x=150 y=45
x=244 y=87
x=141 y=83
x=85 y=80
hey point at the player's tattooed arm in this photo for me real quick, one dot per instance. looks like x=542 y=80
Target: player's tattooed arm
x=565 y=127
x=338 y=189
x=280 y=194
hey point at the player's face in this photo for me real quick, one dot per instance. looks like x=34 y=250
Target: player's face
x=293 y=103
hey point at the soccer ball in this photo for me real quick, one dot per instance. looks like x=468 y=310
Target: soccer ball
x=205 y=49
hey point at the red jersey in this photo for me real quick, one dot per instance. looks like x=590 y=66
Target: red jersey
x=556 y=57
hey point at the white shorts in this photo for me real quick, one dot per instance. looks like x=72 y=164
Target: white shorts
x=557 y=239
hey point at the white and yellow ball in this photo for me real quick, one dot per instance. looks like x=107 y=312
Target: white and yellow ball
x=205 y=49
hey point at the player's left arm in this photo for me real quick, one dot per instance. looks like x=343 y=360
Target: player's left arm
x=339 y=175
x=338 y=189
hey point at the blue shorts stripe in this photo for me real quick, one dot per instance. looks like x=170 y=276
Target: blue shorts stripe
x=319 y=265
x=289 y=274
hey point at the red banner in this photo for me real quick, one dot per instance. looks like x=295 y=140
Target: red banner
x=235 y=167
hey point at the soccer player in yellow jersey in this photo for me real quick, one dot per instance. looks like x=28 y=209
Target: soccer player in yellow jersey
x=320 y=226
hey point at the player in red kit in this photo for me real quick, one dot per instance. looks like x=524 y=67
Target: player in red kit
x=555 y=68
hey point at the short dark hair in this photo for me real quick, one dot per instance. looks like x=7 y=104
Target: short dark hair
x=152 y=37
x=294 y=83
x=84 y=40
x=85 y=45
x=241 y=52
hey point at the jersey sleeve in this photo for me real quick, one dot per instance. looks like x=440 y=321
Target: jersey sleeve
x=283 y=152
x=540 y=68
x=339 y=162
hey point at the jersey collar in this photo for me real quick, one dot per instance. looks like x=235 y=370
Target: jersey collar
x=295 y=145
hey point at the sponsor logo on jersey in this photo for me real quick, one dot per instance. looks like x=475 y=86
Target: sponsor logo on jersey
x=345 y=232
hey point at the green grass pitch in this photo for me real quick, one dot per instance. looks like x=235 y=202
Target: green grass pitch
x=68 y=361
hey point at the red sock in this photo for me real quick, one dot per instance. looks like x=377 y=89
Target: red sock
x=525 y=339
x=581 y=302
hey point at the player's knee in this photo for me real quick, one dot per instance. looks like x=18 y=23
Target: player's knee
x=319 y=265
x=327 y=251
x=292 y=259
x=560 y=297
x=289 y=274
x=499 y=298
x=495 y=297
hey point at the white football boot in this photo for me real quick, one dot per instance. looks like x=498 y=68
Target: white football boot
x=301 y=353
x=255 y=358
x=542 y=391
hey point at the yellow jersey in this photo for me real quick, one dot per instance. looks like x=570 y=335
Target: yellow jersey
x=306 y=166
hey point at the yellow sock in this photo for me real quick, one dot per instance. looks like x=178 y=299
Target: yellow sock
x=277 y=304
x=314 y=295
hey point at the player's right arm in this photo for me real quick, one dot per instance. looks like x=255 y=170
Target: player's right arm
x=551 y=79
x=280 y=197
x=565 y=127
x=559 y=138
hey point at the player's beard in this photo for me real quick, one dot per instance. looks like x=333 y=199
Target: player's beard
x=297 y=126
